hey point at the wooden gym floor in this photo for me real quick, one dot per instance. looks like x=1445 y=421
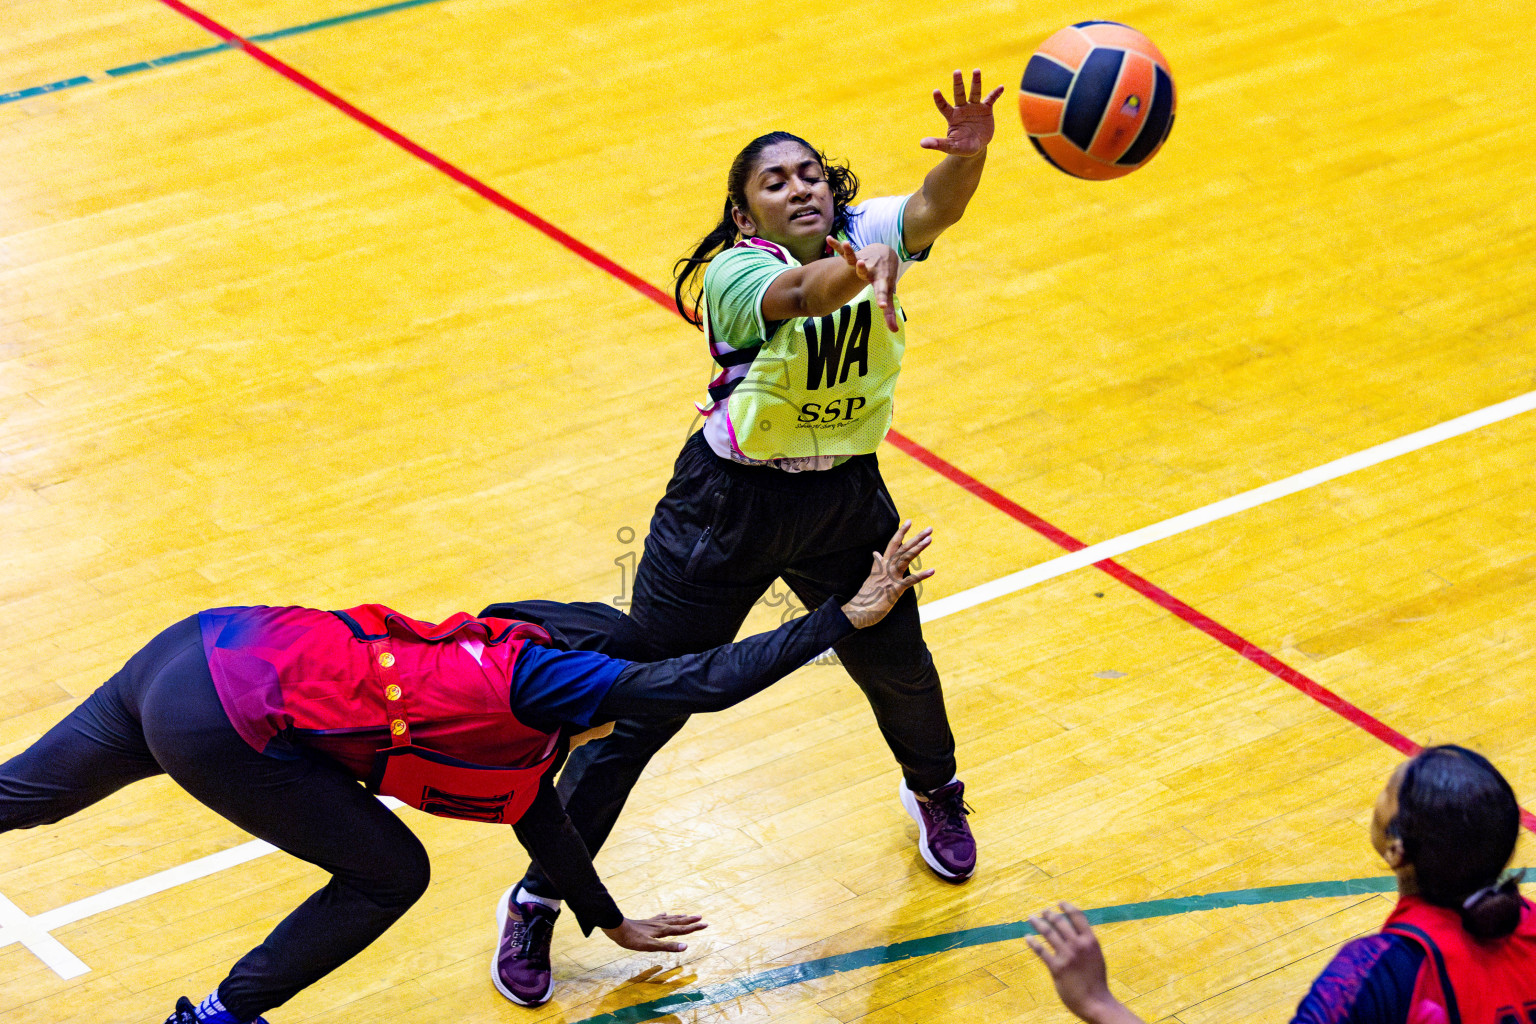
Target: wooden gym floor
x=253 y=351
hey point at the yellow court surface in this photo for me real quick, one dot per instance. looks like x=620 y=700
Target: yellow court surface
x=380 y=330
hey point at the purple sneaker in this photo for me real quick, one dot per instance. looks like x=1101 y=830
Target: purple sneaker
x=520 y=969
x=943 y=836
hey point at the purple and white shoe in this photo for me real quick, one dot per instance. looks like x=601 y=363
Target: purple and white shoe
x=520 y=967
x=943 y=835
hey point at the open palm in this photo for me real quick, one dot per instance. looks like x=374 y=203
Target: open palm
x=969 y=117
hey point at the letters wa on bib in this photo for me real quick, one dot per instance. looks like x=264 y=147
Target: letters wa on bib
x=809 y=387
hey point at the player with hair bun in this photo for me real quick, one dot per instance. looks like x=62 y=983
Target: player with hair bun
x=1460 y=947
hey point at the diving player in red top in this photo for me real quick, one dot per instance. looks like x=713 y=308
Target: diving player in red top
x=272 y=716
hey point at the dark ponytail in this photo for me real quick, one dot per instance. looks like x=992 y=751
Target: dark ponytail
x=720 y=238
x=1458 y=821
x=1493 y=911
x=688 y=289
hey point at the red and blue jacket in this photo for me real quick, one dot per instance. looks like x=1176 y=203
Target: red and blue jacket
x=446 y=716
x=1424 y=968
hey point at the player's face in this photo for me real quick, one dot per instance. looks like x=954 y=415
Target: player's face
x=788 y=199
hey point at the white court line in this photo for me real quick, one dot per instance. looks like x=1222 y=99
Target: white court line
x=26 y=929
x=1227 y=507
x=33 y=932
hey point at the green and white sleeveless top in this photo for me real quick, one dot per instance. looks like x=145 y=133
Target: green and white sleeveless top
x=805 y=393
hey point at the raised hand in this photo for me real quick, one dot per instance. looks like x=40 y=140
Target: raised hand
x=888 y=578
x=1077 y=966
x=651 y=934
x=970 y=118
x=879 y=265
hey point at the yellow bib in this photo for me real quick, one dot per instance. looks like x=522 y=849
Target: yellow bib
x=821 y=385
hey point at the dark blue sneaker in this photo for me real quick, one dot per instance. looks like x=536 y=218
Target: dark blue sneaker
x=186 y=1013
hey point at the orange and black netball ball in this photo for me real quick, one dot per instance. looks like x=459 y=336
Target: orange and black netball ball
x=1097 y=100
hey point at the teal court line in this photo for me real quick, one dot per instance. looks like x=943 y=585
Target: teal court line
x=177 y=58
x=826 y=966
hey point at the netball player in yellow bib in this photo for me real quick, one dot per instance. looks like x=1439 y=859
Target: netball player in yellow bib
x=796 y=290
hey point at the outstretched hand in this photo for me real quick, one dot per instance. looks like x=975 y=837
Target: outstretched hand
x=880 y=266
x=651 y=934
x=888 y=578
x=970 y=118
x=1077 y=966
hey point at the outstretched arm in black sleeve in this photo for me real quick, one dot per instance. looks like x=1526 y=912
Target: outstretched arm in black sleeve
x=546 y=832
x=727 y=675
x=711 y=681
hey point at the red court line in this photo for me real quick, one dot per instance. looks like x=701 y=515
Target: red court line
x=1274 y=666
x=425 y=155
x=1160 y=597
x=1260 y=657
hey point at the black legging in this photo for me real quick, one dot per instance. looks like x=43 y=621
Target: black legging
x=161 y=713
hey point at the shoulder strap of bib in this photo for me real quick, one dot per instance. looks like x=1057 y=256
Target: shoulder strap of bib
x=1419 y=935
